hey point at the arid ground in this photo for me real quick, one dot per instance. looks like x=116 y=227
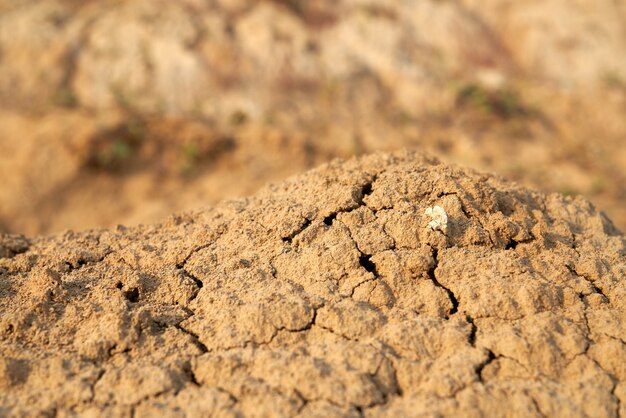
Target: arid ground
x=356 y=208
x=122 y=112
x=330 y=295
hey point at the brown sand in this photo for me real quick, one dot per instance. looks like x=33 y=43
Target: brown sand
x=326 y=295
x=125 y=111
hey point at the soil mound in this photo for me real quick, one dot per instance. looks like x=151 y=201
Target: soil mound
x=391 y=285
x=125 y=111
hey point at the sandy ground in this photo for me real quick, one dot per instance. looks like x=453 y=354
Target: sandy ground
x=389 y=285
x=335 y=293
x=126 y=111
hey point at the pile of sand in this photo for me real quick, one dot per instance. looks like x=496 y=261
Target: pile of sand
x=326 y=295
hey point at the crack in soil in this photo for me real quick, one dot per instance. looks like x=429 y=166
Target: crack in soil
x=195 y=338
x=288 y=239
x=481 y=366
x=433 y=278
x=472 y=337
x=591 y=282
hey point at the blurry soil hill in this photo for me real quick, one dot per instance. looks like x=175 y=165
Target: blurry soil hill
x=125 y=111
x=328 y=295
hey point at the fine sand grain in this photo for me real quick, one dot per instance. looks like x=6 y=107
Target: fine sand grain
x=326 y=295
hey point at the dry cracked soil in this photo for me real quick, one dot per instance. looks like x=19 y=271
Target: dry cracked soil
x=125 y=111
x=327 y=295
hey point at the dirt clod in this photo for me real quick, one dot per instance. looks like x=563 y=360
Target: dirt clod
x=326 y=295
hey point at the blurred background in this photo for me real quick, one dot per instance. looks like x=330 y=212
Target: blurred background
x=126 y=111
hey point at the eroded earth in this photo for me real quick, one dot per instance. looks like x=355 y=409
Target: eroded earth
x=326 y=295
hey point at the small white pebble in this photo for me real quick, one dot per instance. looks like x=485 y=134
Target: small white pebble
x=439 y=218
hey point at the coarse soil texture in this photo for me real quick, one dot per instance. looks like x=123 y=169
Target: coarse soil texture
x=125 y=111
x=328 y=295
